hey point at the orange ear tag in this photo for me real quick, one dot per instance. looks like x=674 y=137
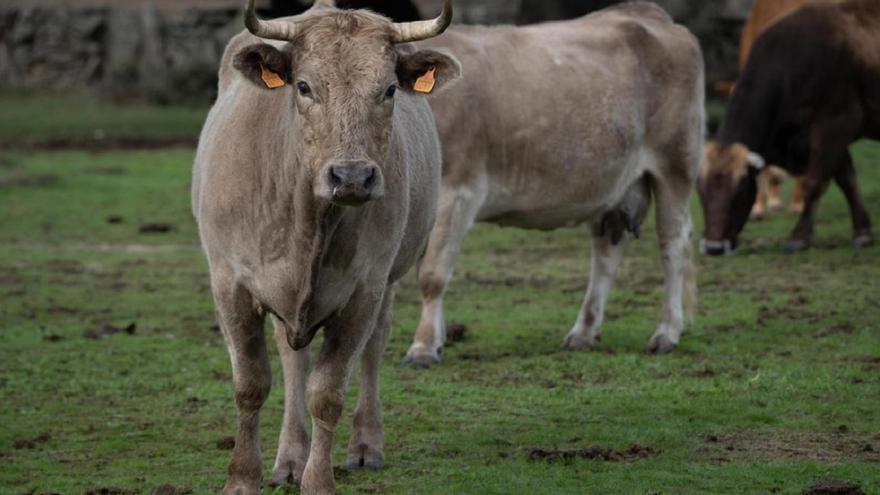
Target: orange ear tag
x=272 y=80
x=425 y=84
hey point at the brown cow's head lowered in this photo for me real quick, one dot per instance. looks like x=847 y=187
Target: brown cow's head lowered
x=727 y=186
x=341 y=71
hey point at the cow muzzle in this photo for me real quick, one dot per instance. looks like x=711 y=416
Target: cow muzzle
x=717 y=248
x=351 y=182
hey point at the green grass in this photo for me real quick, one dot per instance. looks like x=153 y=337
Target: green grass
x=775 y=386
x=33 y=119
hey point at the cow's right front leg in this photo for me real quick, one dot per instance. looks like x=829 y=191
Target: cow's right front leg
x=293 y=443
x=252 y=377
x=458 y=209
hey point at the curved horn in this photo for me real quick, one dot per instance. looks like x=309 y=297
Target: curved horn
x=273 y=30
x=323 y=3
x=404 y=32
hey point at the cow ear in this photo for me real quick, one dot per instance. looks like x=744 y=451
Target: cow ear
x=426 y=71
x=264 y=65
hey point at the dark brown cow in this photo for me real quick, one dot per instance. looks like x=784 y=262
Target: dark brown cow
x=811 y=87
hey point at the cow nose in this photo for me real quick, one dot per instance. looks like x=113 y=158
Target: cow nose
x=353 y=183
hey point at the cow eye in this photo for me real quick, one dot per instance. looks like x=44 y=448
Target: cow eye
x=389 y=93
x=303 y=88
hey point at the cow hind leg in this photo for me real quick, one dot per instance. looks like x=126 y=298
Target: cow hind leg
x=861 y=222
x=457 y=211
x=367 y=445
x=293 y=442
x=674 y=234
x=605 y=259
x=242 y=326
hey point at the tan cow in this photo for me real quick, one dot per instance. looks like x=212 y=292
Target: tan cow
x=564 y=123
x=315 y=187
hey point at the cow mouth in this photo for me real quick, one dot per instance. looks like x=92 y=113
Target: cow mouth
x=717 y=248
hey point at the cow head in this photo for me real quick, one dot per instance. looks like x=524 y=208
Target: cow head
x=727 y=186
x=341 y=72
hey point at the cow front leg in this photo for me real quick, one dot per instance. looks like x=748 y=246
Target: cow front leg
x=293 y=442
x=674 y=233
x=366 y=449
x=861 y=222
x=344 y=339
x=251 y=376
x=604 y=262
x=457 y=210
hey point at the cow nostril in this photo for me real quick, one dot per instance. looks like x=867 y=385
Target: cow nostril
x=335 y=177
x=371 y=178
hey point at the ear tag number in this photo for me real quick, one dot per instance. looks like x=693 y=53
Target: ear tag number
x=425 y=84
x=272 y=80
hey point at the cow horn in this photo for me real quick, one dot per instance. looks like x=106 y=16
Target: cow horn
x=404 y=32
x=755 y=161
x=273 y=30
x=323 y=3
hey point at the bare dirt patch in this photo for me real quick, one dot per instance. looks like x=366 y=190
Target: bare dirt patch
x=28 y=180
x=155 y=228
x=455 y=332
x=110 y=490
x=92 y=144
x=31 y=443
x=171 y=490
x=632 y=453
x=107 y=330
x=226 y=443
x=834 y=487
x=841 y=445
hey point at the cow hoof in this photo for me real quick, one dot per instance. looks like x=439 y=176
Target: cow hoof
x=233 y=487
x=792 y=246
x=862 y=240
x=421 y=357
x=577 y=341
x=364 y=457
x=660 y=344
x=286 y=474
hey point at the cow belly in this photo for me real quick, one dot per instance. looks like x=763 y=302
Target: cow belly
x=545 y=204
x=546 y=219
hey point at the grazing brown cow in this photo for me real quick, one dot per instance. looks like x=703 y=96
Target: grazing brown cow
x=810 y=88
x=315 y=187
x=763 y=14
x=563 y=123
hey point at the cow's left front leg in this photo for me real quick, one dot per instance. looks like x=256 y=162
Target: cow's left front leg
x=344 y=339
x=604 y=261
x=366 y=449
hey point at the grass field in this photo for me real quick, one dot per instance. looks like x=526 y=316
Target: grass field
x=775 y=386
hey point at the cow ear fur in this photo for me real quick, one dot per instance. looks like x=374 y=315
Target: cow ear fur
x=251 y=60
x=412 y=66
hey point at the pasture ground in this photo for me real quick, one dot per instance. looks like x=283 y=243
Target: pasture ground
x=775 y=386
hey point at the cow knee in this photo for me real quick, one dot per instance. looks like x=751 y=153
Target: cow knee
x=250 y=395
x=325 y=406
x=432 y=284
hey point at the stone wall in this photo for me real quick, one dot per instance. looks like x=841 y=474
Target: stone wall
x=132 y=50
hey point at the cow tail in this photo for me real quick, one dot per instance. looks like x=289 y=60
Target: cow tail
x=689 y=292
